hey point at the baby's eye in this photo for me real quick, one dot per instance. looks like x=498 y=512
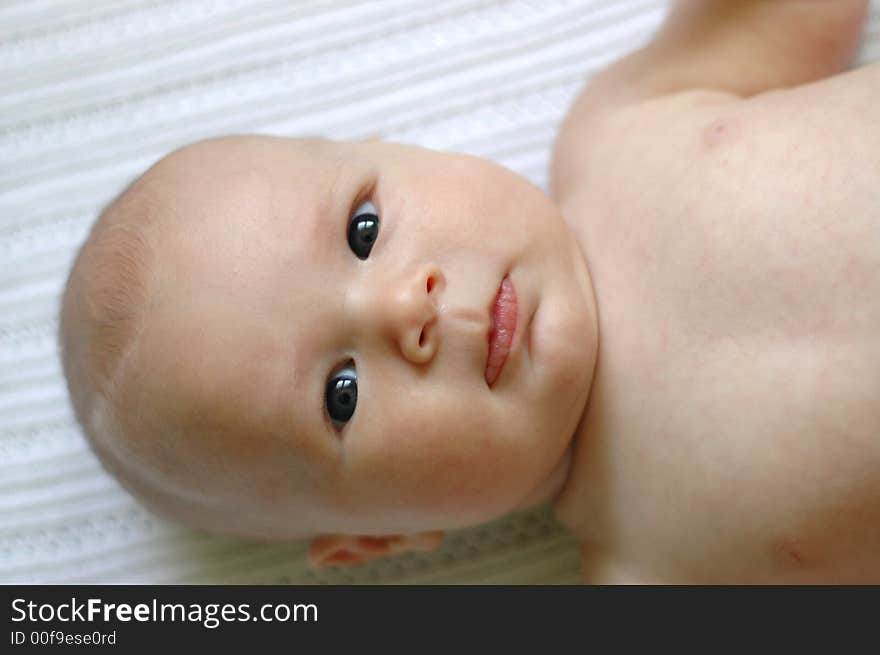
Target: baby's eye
x=342 y=395
x=363 y=229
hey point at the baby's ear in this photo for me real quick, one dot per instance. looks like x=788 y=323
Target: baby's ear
x=336 y=549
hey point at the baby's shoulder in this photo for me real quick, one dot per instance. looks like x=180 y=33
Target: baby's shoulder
x=668 y=136
x=592 y=144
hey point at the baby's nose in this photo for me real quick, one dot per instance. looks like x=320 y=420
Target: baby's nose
x=406 y=312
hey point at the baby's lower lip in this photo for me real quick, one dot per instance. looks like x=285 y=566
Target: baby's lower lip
x=502 y=322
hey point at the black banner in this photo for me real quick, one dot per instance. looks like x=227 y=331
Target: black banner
x=125 y=617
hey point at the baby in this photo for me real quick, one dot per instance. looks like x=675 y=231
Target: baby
x=368 y=344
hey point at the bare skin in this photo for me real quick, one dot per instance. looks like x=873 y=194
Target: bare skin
x=725 y=189
x=696 y=376
x=258 y=299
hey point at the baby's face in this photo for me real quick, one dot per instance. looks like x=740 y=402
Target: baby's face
x=343 y=381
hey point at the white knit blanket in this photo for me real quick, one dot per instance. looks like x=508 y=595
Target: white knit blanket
x=94 y=91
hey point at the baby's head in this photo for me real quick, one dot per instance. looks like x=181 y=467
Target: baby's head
x=289 y=338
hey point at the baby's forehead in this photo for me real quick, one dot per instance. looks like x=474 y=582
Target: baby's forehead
x=248 y=178
x=223 y=380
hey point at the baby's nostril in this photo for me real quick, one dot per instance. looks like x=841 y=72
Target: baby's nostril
x=422 y=338
x=430 y=284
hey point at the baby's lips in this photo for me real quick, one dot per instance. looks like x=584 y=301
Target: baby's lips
x=503 y=325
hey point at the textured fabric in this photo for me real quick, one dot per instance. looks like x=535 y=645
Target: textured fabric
x=93 y=92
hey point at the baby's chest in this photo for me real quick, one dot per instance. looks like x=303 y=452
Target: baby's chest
x=734 y=431
x=738 y=230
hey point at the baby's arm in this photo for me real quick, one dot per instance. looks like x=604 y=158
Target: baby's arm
x=742 y=47
x=749 y=46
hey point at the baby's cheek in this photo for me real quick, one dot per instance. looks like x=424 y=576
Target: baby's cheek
x=432 y=454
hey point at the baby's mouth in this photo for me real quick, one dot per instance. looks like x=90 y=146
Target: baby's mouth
x=502 y=327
